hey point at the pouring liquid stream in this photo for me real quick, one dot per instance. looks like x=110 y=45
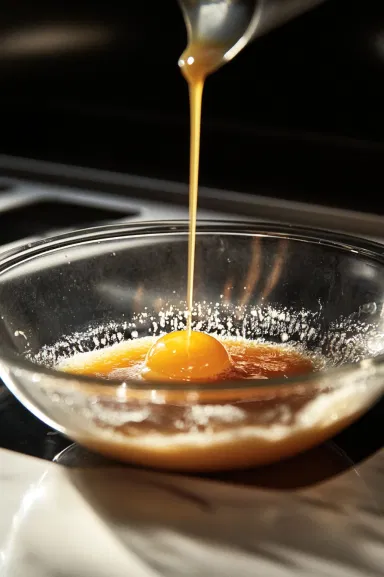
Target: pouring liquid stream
x=196 y=63
x=195 y=97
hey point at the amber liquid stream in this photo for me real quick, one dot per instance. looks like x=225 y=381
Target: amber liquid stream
x=196 y=63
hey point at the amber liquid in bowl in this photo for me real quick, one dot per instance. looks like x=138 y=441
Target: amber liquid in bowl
x=222 y=433
x=249 y=360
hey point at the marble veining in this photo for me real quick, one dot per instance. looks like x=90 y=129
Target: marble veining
x=92 y=522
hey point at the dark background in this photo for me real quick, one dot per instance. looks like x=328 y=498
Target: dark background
x=298 y=114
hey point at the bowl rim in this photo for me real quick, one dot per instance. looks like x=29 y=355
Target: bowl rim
x=344 y=242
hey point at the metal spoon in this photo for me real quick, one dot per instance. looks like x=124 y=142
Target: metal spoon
x=230 y=25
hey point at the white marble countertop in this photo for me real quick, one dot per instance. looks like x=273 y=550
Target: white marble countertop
x=118 y=522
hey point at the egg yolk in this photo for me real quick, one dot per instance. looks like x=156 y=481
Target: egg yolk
x=185 y=356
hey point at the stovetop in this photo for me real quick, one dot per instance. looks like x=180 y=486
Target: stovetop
x=38 y=199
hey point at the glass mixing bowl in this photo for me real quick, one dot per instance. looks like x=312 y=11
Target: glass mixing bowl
x=319 y=292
